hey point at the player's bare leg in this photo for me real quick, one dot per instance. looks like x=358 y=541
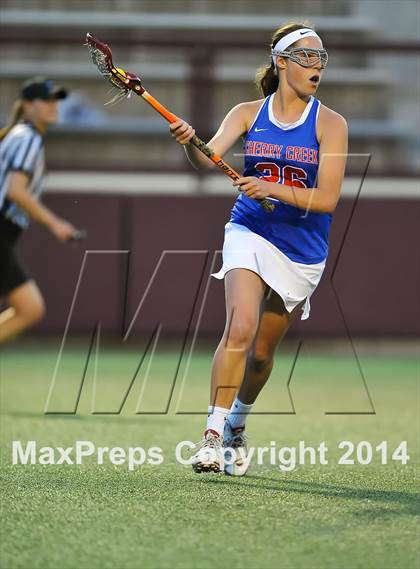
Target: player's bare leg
x=25 y=308
x=244 y=294
x=274 y=323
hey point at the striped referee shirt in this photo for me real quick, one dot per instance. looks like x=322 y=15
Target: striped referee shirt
x=22 y=149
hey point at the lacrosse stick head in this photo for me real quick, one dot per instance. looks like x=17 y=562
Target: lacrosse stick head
x=101 y=56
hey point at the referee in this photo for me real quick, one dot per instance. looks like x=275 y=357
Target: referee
x=21 y=180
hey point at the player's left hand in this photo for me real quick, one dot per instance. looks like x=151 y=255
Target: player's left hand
x=253 y=187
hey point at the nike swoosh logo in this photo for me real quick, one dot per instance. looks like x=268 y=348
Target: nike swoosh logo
x=260 y=129
x=303 y=33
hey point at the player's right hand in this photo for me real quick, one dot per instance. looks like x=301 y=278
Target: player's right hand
x=63 y=230
x=181 y=131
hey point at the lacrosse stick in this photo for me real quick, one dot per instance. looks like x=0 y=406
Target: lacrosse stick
x=128 y=83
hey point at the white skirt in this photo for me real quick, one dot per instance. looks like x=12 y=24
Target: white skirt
x=294 y=282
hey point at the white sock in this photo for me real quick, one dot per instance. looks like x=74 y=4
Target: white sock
x=238 y=414
x=216 y=419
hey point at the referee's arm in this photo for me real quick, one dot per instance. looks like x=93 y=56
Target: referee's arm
x=19 y=194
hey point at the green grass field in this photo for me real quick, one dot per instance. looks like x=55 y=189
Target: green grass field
x=161 y=516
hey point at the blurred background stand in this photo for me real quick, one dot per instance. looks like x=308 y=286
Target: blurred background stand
x=117 y=172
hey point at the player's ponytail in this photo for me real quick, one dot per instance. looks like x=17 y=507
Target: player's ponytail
x=16 y=115
x=266 y=79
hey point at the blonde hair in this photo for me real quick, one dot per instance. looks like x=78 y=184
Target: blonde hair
x=266 y=79
x=16 y=114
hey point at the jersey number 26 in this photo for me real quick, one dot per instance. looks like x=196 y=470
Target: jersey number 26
x=288 y=175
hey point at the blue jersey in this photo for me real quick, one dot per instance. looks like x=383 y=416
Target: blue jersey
x=285 y=154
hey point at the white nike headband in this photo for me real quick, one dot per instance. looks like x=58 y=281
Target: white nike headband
x=288 y=39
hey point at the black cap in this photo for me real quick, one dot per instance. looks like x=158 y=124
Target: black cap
x=42 y=88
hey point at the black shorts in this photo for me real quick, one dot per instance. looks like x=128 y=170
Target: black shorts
x=12 y=274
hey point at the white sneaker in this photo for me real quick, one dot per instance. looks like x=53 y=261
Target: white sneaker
x=236 y=463
x=209 y=456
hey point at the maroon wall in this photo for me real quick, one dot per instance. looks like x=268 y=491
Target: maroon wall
x=375 y=285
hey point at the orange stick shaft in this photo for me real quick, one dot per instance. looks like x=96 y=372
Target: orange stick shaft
x=170 y=117
x=200 y=144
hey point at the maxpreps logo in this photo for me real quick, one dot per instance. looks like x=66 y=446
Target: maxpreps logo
x=29 y=453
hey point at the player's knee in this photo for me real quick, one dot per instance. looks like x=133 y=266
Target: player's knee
x=33 y=312
x=39 y=311
x=241 y=334
x=261 y=360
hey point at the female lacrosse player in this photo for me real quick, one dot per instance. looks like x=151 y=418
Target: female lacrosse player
x=21 y=175
x=295 y=154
